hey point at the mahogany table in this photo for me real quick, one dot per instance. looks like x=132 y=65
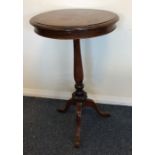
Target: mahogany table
x=76 y=24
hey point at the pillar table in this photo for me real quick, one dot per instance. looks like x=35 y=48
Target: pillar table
x=76 y=24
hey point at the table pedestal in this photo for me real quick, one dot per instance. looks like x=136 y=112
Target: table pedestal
x=79 y=97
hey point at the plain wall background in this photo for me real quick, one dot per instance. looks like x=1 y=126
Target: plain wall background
x=48 y=63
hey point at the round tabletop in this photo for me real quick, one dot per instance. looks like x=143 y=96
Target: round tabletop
x=74 y=23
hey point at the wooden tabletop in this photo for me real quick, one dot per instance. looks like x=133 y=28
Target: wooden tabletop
x=74 y=23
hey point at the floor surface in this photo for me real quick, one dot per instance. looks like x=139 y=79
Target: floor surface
x=47 y=132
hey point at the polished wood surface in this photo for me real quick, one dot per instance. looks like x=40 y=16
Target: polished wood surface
x=74 y=23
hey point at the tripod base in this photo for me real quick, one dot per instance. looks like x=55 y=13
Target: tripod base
x=79 y=105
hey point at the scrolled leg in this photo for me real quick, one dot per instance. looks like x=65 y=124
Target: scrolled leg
x=68 y=104
x=78 y=124
x=91 y=103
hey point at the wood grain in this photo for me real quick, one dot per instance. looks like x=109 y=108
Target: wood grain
x=74 y=23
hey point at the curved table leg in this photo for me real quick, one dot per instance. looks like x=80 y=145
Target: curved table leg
x=92 y=104
x=78 y=124
x=68 y=104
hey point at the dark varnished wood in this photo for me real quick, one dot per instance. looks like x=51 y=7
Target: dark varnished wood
x=78 y=123
x=91 y=103
x=68 y=104
x=78 y=69
x=76 y=24
x=79 y=94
